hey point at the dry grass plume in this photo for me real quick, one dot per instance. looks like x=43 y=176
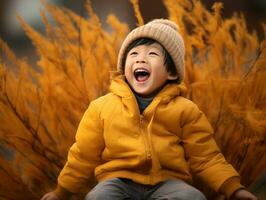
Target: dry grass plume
x=40 y=107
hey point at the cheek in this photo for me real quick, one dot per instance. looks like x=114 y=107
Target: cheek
x=161 y=68
x=161 y=74
x=128 y=68
x=127 y=64
x=128 y=73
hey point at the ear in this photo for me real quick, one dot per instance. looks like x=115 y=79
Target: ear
x=172 y=77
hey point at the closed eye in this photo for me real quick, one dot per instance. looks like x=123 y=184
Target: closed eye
x=133 y=53
x=154 y=53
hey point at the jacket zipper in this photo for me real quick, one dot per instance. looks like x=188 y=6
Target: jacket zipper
x=146 y=143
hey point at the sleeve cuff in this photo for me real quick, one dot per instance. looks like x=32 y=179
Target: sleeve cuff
x=230 y=186
x=62 y=193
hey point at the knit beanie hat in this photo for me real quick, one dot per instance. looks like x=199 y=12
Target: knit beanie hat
x=167 y=34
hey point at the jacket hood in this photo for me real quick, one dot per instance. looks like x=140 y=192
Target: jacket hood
x=120 y=88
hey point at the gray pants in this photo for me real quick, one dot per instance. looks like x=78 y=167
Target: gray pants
x=125 y=189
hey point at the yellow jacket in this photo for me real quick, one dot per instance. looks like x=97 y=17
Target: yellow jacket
x=170 y=137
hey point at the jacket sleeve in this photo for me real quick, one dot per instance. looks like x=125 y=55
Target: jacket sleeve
x=204 y=156
x=84 y=155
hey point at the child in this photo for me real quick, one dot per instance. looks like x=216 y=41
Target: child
x=142 y=139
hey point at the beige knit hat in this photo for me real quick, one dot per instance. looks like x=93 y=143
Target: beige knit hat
x=167 y=34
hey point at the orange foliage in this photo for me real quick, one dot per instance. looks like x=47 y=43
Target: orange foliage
x=40 y=107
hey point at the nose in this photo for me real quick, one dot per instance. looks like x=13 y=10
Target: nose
x=141 y=59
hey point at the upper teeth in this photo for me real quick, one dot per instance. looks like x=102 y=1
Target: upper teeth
x=141 y=70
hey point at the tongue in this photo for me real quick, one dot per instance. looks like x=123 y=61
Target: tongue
x=142 y=78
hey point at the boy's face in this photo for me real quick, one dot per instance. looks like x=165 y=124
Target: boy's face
x=145 y=70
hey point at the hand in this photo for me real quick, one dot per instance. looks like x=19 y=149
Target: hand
x=243 y=195
x=50 y=196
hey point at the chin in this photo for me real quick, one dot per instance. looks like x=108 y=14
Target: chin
x=141 y=91
x=143 y=94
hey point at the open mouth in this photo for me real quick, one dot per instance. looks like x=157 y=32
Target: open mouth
x=141 y=74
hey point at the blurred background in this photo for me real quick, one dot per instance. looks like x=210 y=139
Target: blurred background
x=11 y=31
